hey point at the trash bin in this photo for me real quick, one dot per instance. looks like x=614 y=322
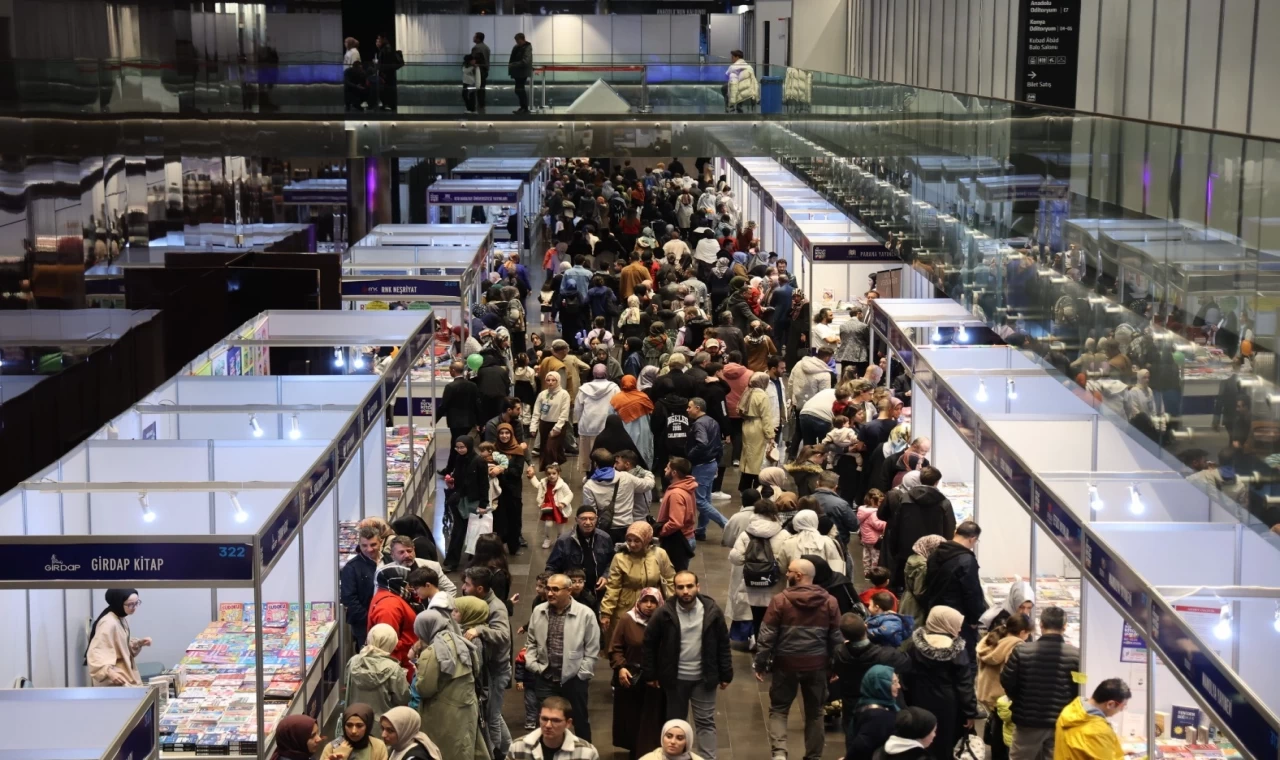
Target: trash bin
x=771 y=95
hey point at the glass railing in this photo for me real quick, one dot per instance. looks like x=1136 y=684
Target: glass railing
x=658 y=83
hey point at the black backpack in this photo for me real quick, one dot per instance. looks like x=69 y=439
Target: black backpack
x=760 y=568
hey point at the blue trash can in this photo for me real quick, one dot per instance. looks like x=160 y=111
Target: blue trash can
x=771 y=95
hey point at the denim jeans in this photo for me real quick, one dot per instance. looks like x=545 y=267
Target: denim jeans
x=705 y=474
x=499 y=734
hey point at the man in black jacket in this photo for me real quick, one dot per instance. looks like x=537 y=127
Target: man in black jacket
x=686 y=653
x=460 y=403
x=1039 y=678
x=357 y=581
x=910 y=516
x=493 y=381
x=951 y=579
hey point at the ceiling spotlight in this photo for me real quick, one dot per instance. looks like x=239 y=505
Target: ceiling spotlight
x=294 y=432
x=1095 y=501
x=1011 y=390
x=358 y=360
x=337 y=357
x=1222 y=629
x=241 y=515
x=147 y=514
x=962 y=335
x=1276 y=623
x=254 y=426
x=1135 y=501
x=982 y=389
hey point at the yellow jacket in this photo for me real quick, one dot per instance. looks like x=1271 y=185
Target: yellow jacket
x=1081 y=735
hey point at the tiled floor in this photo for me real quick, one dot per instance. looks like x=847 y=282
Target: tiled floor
x=742 y=709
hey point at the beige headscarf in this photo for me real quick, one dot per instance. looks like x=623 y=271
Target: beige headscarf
x=943 y=625
x=381 y=639
x=408 y=726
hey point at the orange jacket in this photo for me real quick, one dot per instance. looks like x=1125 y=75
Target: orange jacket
x=679 y=511
x=387 y=607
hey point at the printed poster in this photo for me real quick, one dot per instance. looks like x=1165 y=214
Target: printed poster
x=1132 y=647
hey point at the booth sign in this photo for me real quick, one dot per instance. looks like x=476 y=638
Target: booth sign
x=140 y=742
x=276 y=534
x=421 y=407
x=93 y=559
x=1210 y=681
x=470 y=197
x=402 y=287
x=1119 y=581
x=837 y=252
x=1062 y=524
x=318 y=482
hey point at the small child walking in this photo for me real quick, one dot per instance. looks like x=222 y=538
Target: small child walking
x=555 y=500
x=870 y=530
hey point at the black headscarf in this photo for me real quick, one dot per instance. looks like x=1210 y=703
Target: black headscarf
x=615 y=438
x=365 y=713
x=116 y=597
x=292 y=736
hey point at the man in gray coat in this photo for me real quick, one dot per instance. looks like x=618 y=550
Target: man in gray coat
x=855 y=335
x=520 y=67
x=483 y=59
x=478 y=582
x=561 y=650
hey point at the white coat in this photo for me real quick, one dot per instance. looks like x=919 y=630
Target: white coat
x=743 y=84
x=762 y=528
x=591 y=408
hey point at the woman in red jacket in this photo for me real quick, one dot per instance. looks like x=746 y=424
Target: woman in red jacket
x=388 y=606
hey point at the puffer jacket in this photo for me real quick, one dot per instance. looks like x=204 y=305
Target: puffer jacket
x=809 y=376
x=743 y=84
x=591 y=408
x=761 y=528
x=797 y=86
x=1081 y=735
x=889 y=629
x=1037 y=679
x=800 y=631
x=378 y=681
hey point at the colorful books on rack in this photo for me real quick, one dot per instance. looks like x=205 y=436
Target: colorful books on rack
x=961 y=497
x=1050 y=590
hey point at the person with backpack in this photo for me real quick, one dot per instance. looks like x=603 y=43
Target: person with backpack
x=756 y=552
x=910 y=515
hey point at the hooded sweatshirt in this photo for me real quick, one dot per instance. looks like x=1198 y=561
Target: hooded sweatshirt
x=592 y=406
x=951 y=579
x=1083 y=733
x=991 y=660
x=809 y=376
x=907 y=749
x=800 y=631
x=679 y=510
x=738 y=377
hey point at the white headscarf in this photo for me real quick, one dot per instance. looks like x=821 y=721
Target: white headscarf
x=408 y=726
x=910 y=480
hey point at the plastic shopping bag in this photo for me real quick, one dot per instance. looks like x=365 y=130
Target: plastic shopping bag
x=477 y=524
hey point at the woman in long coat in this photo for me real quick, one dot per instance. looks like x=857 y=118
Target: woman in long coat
x=641 y=565
x=758 y=428
x=638 y=710
x=798 y=333
x=447 y=669
x=633 y=407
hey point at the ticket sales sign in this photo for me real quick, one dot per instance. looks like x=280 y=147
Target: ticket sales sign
x=1048 y=52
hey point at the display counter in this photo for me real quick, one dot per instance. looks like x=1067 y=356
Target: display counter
x=1103 y=526
x=106 y=723
x=242 y=531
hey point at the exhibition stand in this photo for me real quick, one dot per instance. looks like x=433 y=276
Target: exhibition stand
x=107 y=723
x=1140 y=559
x=502 y=197
x=533 y=172
x=323 y=203
x=231 y=540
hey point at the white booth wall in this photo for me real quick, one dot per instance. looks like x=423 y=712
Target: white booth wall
x=559 y=38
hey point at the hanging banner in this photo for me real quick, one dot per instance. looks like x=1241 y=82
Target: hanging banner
x=275 y=535
x=1060 y=521
x=401 y=287
x=838 y=252
x=318 y=481
x=1132 y=646
x=140 y=742
x=97 y=560
x=472 y=197
x=1048 y=51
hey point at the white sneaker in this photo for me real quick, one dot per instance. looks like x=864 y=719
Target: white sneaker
x=546 y=543
x=721 y=496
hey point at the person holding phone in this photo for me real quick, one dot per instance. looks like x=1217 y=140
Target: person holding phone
x=112 y=652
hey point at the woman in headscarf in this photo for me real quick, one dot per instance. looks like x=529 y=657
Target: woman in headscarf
x=468 y=476
x=642 y=564
x=758 y=428
x=112 y=652
x=297 y=738
x=552 y=412
x=633 y=407
x=1021 y=600
x=939 y=679
x=739 y=267
x=806 y=468
x=871 y=720
x=507 y=520
x=358 y=740
x=914 y=573
x=676 y=743
x=777 y=479
x=718 y=283
x=637 y=709
x=836 y=584
x=447 y=671
x=374 y=677
x=413 y=526
x=657 y=346
x=799 y=320
x=805 y=539
x=629 y=320
x=472 y=613
x=402 y=733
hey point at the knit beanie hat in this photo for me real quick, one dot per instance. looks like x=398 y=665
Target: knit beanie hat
x=914 y=723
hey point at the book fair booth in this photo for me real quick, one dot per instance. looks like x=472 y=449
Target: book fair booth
x=533 y=172
x=111 y=723
x=228 y=500
x=1102 y=525
x=486 y=201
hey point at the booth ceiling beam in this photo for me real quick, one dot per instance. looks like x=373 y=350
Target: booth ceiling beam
x=1226 y=592
x=994 y=372
x=1138 y=476
x=162 y=486
x=240 y=408
x=309 y=342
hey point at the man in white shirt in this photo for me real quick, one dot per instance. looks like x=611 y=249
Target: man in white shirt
x=824 y=333
x=675 y=246
x=613 y=494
